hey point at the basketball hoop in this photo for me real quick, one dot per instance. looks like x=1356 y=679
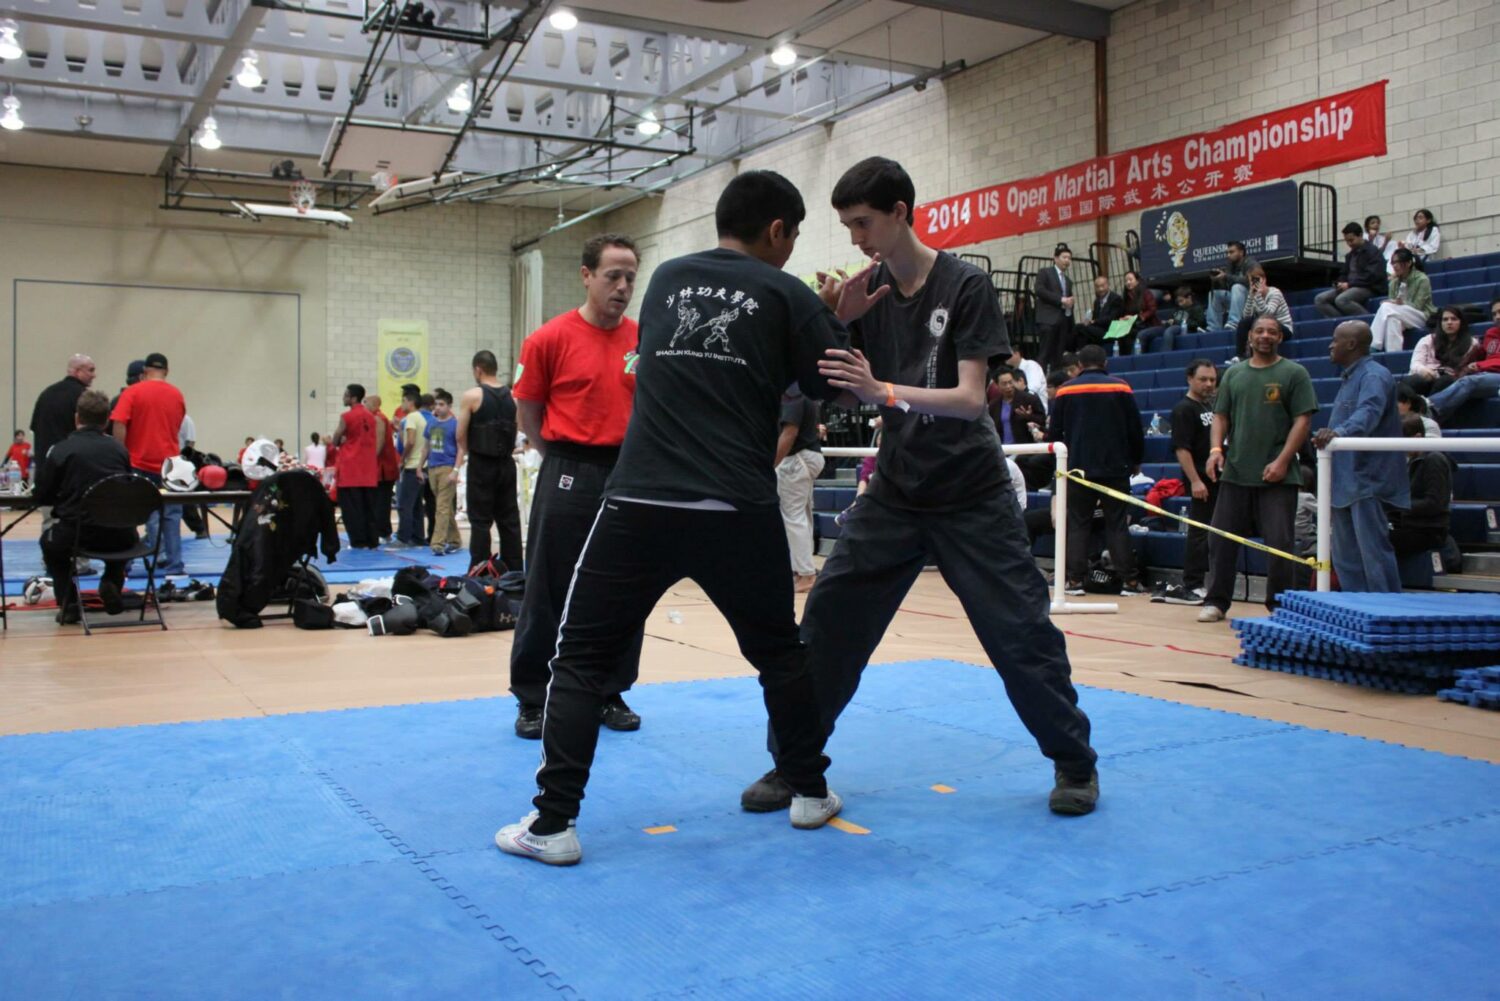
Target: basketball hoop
x=304 y=196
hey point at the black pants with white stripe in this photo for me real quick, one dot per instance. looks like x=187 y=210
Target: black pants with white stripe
x=983 y=556
x=633 y=554
x=568 y=492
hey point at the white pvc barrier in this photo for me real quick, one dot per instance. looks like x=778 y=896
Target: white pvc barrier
x=1325 y=478
x=1059 y=451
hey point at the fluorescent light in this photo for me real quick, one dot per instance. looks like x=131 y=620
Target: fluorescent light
x=11 y=121
x=249 y=75
x=460 y=101
x=10 y=46
x=783 y=55
x=209 y=137
x=563 y=19
x=648 y=125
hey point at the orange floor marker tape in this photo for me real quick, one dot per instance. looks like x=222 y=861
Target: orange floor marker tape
x=846 y=827
x=665 y=829
x=943 y=788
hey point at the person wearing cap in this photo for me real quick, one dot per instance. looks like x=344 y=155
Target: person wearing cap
x=147 y=418
x=132 y=376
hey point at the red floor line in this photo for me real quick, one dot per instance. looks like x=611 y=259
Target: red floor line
x=932 y=615
x=1106 y=639
x=1201 y=653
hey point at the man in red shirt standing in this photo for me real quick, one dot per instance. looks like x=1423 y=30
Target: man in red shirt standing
x=574 y=389
x=146 y=419
x=359 y=471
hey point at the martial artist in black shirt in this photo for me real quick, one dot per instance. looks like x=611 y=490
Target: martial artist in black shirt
x=926 y=335
x=725 y=335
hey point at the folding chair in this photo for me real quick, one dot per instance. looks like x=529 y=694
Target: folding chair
x=122 y=501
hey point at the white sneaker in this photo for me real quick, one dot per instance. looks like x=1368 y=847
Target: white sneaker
x=1211 y=613
x=810 y=812
x=553 y=849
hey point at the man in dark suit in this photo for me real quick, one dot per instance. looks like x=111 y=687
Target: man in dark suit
x=1020 y=419
x=1054 y=307
x=1108 y=307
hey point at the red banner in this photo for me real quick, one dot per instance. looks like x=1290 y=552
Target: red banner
x=1330 y=130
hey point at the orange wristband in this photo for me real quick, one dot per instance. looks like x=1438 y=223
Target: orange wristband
x=890 y=395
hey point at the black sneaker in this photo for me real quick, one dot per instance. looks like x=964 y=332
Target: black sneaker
x=766 y=794
x=109 y=597
x=1073 y=797
x=1074 y=588
x=1130 y=588
x=616 y=715
x=69 y=616
x=529 y=722
x=1176 y=594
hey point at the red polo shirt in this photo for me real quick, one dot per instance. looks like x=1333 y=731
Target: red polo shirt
x=583 y=375
x=152 y=411
x=357 y=451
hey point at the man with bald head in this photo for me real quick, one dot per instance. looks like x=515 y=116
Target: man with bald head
x=1364 y=483
x=52 y=417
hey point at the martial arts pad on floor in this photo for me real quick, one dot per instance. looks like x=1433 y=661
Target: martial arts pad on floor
x=349 y=854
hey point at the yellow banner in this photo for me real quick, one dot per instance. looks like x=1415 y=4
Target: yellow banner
x=403 y=359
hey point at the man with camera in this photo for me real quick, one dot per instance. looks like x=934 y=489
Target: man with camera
x=1228 y=288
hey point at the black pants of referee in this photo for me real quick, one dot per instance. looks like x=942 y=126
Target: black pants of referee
x=569 y=488
x=633 y=554
x=983 y=556
x=490 y=500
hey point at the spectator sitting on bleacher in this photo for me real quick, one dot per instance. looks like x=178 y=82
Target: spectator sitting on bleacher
x=1409 y=401
x=1264 y=300
x=1070 y=364
x=1409 y=305
x=1096 y=415
x=1019 y=416
x=1141 y=304
x=1424 y=526
x=1185 y=320
x=1055 y=381
x=1036 y=378
x=1425 y=238
x=1478 y=376
x=1229 y=287
x=1261 y=416
x=1439 y=357
x=1108 y=307
x=1361 y=278
x=1192 y=423
x=1364 y=483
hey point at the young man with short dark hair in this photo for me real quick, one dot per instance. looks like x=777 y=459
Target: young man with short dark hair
x=486 y=439
x=1192 y=421
x=725 y=334
x=1229 y=287
x=442 y=453
x=926 y=326
x=574 y=390
x=358 y=470
x=1362 y=277
x=1097 y=417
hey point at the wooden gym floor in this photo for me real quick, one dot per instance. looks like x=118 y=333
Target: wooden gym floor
x=54 y=678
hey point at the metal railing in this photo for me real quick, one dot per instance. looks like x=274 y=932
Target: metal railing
x=1325 y=478
x=1060 y=603
x=1318 y=222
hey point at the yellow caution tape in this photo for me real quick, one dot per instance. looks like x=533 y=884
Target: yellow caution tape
x=1079 y=478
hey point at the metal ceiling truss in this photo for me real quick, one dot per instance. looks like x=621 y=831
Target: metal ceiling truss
x=554 y=110
x=188 y=187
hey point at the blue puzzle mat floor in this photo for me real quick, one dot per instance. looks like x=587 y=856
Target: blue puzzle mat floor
x=349 y=855
x=205 y=560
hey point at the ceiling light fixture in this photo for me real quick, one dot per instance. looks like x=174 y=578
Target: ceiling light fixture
x=249 y=75
x=208 y=138
x=563 y=19
x=783 y=55
x=11 y=121
x=648 y=125
x=460 y=101
x=10 y=45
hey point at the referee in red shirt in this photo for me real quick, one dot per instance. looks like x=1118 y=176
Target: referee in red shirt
x=573 y=391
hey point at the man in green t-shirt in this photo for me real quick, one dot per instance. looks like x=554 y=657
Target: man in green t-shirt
x=1264 y=411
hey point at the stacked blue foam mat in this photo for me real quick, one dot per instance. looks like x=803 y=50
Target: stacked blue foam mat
x=1475 y=686
x=1413 y=643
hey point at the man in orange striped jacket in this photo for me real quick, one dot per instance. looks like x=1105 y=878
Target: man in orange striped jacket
x=1095 y=415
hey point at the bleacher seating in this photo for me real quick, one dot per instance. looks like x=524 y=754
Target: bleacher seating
x=1159 y=383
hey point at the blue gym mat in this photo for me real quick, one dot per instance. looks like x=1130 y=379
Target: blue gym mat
x=205 y=560
x=349 y=854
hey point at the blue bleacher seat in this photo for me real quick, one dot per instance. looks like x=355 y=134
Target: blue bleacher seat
x=1476 y=481
x=1469 y=523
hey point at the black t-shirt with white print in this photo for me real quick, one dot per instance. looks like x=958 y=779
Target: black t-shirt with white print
x=934 y=463
x=723 y=336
